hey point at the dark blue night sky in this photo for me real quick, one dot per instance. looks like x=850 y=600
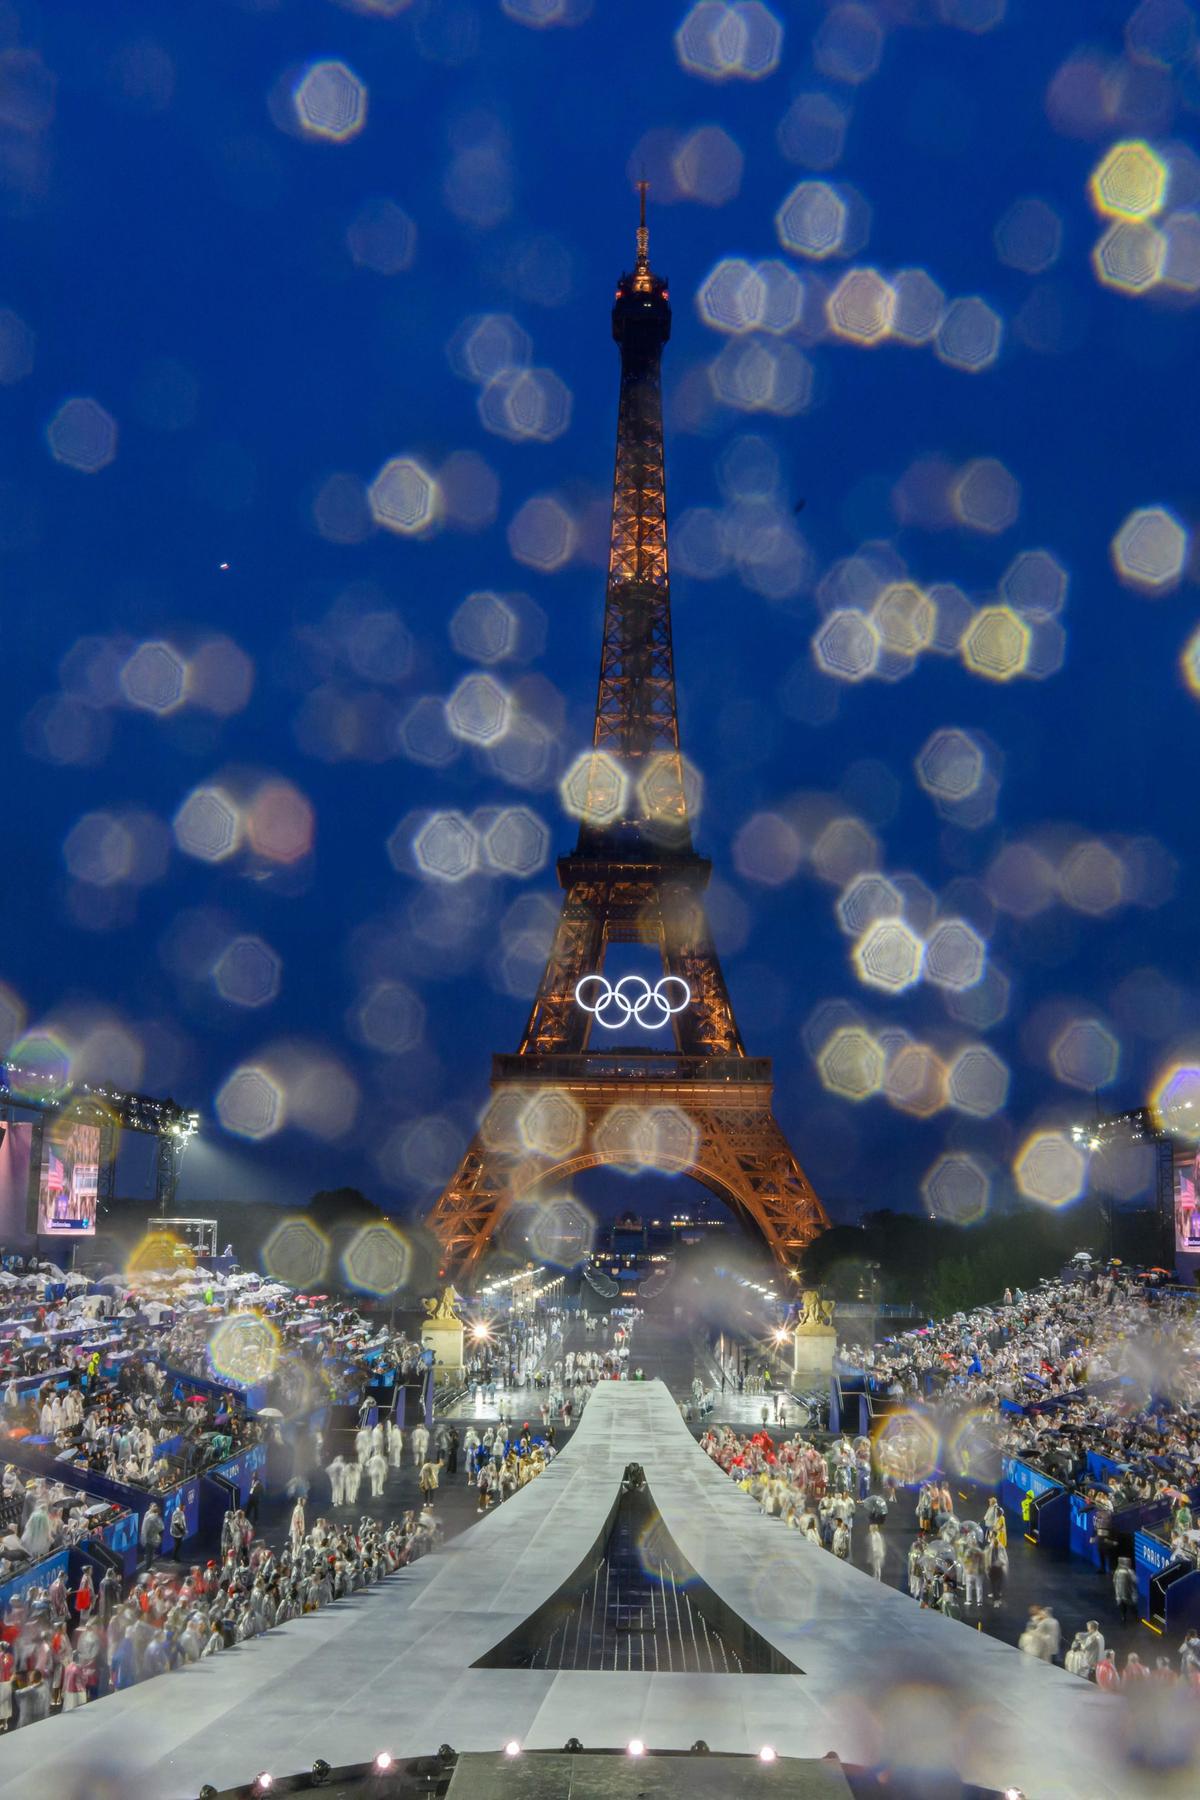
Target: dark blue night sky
x=269 y=313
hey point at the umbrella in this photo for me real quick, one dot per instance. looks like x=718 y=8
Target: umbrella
x=196 y=1400
x=269 y=1412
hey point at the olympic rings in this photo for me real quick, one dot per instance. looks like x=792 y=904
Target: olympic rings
x=614 y=1005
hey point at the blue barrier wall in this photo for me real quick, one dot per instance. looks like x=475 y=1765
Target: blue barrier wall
x=40 y=1575
x=1018 y=1479
x=1150 y=1557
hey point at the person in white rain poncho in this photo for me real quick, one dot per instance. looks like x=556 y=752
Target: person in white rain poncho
x=395 y=1445
x=362 y=1443
x=876 y=1551
x=418 y=1438
x=352 y=1480
x=297 y=1528
x=377 y=1468
x=336 y=1472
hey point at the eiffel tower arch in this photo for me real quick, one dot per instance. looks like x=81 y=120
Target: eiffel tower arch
x=570 y=1098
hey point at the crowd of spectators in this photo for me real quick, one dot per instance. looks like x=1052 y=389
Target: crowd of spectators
x=60 y=1649
x=39 y=1516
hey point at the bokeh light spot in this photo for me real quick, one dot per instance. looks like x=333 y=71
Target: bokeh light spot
x=1130 y=256
x=969 y=335
x=889 y=956
x=478 y=710
x=739 y=40
x=861 y=307
x=244 y=1348
x=82 y=435
x=846 y=645
x=851 y=1063
x=915 y=1081
x=446 y=847
x=950 y=765
x=404 y=497
x=297 y=1253
x=812 y=220
x=330 y=102
x=955 y=955
x=517 y=842
x=377 y=1260
x=1150 y=550
x=957 y=1189
x=1085 y=1055
x=280 y=822
x=251 y=1103
x=594 y=788
x=977 y=1081
x=208 y=825
x=1035 y=584
x=552 y=1123
x=1129 y=182
x=986 y=497
x=996 y=644
x=1050 y=1168
x=247 y=972
x=542 y=533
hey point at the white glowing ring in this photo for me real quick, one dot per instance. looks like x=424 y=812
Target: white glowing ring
x=632 y=998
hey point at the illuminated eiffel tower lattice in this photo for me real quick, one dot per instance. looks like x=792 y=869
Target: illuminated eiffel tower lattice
x=572 y=1097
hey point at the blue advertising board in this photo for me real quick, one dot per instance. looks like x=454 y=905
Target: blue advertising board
x=40 y=1575
x=1018 y=1479
x=1150 y=1557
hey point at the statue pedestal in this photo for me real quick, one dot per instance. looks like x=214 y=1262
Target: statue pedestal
x=813 y=1350
x=445 y=1338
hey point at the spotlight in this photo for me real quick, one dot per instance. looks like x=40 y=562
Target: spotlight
x=512 y=1748
x=699 y=1748
x=446 y=1753
x=383 y=1762
x=573 y=1746
x=1014 y=1794
x=263 y=1782
x=320 y=1772
x=766 y=1754
x=635 y=1747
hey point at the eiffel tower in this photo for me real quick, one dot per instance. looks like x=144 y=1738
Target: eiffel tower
x=564 y=1102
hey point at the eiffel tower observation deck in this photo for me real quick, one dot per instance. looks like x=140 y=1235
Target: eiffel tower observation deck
x=569 y=1098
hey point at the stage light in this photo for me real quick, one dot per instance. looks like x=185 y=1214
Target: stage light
x=320 y=1772
x=446 y=1753
x=383 y=1762
x=781 y=1335
x=766 y=1754
x=573 y=1746
x=699 y=1748
x=1014 y=1794
x=512 y=1748
x=635 y=1747
x=263 y=1782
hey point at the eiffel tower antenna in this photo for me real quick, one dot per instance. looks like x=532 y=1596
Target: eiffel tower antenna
x=568 y=1100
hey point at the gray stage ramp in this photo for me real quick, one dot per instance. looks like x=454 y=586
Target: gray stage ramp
x=391 y=1669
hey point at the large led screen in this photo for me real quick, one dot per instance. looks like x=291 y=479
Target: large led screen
x=69 y=1178
x=1187 y=1212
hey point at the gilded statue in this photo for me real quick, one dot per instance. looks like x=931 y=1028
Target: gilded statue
x=445 y=1307
x=814 y=1310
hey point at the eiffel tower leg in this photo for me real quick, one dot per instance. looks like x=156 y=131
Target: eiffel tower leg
x=746 y=1159
x=472 y=1205
x=707 y=1027
x=556 y=1023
